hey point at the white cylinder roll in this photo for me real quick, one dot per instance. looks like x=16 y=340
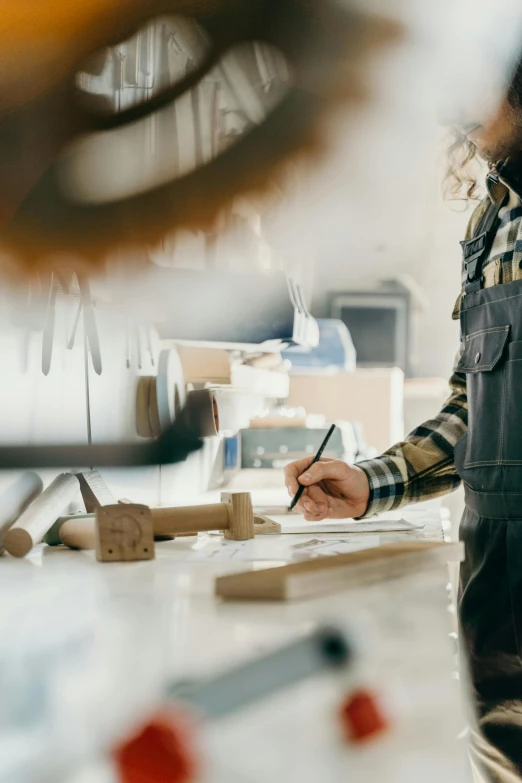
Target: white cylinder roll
x=15 y=499
x=36 y=520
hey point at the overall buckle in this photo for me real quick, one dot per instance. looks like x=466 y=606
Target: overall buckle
x=473 y=250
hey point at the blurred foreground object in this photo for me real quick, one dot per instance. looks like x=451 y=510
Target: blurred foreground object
x=225 y=92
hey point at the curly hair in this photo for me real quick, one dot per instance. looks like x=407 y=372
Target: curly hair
x=460 y=182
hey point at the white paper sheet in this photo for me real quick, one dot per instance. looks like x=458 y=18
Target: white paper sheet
x=388 y=523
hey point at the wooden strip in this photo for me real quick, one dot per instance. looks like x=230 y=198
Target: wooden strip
x=338 y=572
x=241 y=515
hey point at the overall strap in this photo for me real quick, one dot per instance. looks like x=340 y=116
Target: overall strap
x=476 y=249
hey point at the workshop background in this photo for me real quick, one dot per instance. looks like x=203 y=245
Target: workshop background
x=326 y=300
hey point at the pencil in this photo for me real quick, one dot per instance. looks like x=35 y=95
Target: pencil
x=317 y=457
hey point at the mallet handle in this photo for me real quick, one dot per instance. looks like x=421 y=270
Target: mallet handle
x=190 y=519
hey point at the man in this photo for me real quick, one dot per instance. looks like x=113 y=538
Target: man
x=477 y=438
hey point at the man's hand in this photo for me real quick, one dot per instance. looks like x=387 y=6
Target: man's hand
x=334 y=489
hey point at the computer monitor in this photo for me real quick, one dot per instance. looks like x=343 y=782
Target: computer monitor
x=379 y=325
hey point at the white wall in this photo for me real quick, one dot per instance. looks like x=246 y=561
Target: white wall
x=373 y=208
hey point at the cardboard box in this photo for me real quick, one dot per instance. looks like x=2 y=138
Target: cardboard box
x=374 y=397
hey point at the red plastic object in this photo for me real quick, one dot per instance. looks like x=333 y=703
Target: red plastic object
x=362 y=717
x=161 y=751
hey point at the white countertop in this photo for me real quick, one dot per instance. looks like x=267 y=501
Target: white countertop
x=118 y=632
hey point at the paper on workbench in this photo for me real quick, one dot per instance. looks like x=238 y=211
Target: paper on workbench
x=387 y=523
x=277 y=550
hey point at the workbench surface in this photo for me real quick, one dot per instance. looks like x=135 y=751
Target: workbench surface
x=129 y=628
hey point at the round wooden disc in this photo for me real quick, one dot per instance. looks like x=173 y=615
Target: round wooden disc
x=143 y=427
x=18 y=542
x=203 y=412
x=170 y=387
x=154 y=420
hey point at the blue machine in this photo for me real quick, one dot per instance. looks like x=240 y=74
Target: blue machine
x=335 y=350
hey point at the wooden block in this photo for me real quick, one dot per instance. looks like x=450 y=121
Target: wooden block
x=338 y=572
x=95 y=492
x=241 y=515
x=124 y=532
x=265 y=526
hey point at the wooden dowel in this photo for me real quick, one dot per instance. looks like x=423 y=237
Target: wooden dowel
x=15 y=499
x=79 y=533
x=189 y=519
x=36 y=520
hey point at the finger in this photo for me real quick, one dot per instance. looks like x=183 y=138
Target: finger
x=319 y=517
x=335 y=470
x=313 y=501
x=293 y=471
x=315 y=508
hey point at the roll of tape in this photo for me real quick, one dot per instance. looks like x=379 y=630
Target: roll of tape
x=160 y=399
x=202 y=412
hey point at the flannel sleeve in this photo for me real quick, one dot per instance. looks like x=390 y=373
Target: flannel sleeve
x=422 y=466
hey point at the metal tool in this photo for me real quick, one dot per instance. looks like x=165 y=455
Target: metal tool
x=324 y=648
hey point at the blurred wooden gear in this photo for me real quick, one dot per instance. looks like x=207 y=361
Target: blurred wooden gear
x=43 y=47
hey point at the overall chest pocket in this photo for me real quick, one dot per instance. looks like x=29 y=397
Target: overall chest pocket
x=483 y=361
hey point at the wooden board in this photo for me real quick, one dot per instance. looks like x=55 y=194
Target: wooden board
x=95 y=492
x=338 y=572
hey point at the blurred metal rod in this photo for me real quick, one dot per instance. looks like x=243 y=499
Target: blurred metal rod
x=325 y=648
x=174 y=445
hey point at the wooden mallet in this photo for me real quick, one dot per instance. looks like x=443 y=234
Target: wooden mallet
x=125 y=531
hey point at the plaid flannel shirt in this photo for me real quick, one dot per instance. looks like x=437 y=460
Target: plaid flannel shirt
x=422 y=466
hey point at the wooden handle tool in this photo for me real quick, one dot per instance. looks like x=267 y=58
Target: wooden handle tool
x=234 y=516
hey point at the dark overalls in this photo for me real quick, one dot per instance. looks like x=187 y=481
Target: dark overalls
x=489 y=461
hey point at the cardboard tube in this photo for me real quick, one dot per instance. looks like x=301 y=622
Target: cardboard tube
x=15 y=499
x=36 y=520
